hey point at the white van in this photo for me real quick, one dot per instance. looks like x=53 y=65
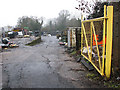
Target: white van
x=20 y=34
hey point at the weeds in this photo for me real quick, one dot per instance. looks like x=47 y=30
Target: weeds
x=73 y=53
x=89 y=75
x=34 y=42
x=111 y=84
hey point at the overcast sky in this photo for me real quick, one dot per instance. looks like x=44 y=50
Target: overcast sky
x=11 y=10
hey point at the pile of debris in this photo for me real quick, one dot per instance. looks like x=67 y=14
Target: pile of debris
x=6 y=43
x=94 y=51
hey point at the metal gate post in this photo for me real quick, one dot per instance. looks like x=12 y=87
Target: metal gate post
x=81 y=34
x=104 y=32
x=109 y=41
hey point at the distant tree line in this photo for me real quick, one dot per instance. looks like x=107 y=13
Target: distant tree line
x=61 y=23
x=32 y=23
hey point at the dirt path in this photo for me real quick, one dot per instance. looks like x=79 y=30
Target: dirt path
x=43 y=66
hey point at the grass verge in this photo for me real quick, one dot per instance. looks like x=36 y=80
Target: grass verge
x=34 y=42
x=73 y=53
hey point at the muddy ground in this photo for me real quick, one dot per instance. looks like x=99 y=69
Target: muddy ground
x=45 y=65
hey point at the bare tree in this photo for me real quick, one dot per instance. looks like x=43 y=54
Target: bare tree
x=61 y=20
x=86 y=7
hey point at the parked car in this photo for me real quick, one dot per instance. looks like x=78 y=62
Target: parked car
x=36 y=33
x=12 y=34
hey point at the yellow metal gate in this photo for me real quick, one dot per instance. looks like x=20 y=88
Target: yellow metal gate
x=96 y=41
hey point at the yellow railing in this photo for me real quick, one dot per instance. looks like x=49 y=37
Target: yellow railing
x=104 y=60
